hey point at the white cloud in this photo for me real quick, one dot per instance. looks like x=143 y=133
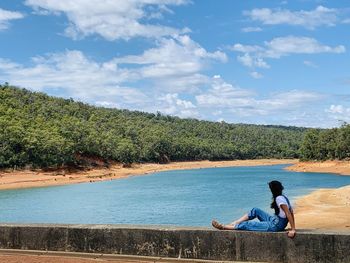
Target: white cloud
x=175 y=63
x=251 y=29
x=320 y=16
x=108 y=104
x=111 y=19
x=190 y=83
x=222 y=94
x=246 y=48
x=252 y=61
x=107 y=84
x=171 y=104
x=179 y=49
x=256 y=75
x=339 y=113
x=296 y=97
x=254 y=56
x=288 y=101
x=246 y=60
x=338 y=109
x=217 y=112
x=283 y=46
x=310 y=64
x=346 y=21
x=76 y=76
x=6 y=16
x=227 y=97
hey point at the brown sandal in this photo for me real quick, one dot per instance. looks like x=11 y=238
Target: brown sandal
x=217 y=225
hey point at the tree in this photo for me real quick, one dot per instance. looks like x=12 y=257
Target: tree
x=310 y=147
x=343 y=142
x=127 y=153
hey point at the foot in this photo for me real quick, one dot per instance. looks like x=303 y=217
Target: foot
x=217 y=225
x=234 y=224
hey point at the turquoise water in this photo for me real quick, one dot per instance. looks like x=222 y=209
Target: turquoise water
x=189 y=197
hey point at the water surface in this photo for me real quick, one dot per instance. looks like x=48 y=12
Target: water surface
x=187 y=197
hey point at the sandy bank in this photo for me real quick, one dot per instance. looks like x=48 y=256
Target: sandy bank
x=27 y=179
x=324 y=208
x=338 y=167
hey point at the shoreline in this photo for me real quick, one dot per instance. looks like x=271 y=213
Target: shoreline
x=324 y=209
x=38 y=178
x=335 y=167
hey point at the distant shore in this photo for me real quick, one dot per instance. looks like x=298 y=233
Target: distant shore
x=323 y=208
x=39 y=178
x=337 y=167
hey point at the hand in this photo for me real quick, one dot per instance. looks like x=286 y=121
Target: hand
x=291 y=233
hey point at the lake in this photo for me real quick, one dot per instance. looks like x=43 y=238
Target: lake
x=184 y=197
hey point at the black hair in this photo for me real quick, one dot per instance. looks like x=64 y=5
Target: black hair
x=276 y=188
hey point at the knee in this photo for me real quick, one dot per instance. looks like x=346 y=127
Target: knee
x=252 y=214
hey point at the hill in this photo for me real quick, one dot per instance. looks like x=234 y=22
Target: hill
x=37 y=130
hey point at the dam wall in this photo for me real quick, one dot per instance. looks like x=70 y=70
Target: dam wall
x=179 y=242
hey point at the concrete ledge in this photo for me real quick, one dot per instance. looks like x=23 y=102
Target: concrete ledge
x=179 y=242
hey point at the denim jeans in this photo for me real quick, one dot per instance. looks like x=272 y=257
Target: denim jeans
x=266 y=222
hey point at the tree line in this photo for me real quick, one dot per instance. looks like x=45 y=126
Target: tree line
x=37 y=130
x=326 y=144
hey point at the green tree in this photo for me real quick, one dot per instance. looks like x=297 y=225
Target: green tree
x=127 y=153
x=310 y=149
x=343 y=142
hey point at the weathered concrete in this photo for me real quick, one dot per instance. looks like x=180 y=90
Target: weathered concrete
x=174 y=242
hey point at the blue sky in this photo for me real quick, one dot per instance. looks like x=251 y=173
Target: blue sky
x=262 y=62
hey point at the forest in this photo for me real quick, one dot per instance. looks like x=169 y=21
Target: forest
x=326 y=144
x=41 y=131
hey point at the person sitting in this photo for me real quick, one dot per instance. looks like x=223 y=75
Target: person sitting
x=267 y=223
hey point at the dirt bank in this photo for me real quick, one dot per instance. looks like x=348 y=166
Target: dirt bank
x=27 y=179
x=325 y=209
x=338 y=167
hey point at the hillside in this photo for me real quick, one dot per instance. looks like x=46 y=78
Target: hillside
x=37 y=130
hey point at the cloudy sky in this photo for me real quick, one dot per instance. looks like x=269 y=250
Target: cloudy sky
x=264 y=62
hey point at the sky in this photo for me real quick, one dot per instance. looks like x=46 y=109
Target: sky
x=254 y=61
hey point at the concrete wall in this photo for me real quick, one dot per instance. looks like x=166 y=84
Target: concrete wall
x=196 y=243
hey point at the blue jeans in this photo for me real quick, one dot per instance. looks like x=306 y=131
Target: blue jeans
x=266 y=222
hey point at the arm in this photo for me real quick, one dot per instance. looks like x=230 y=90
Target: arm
x=291 y=220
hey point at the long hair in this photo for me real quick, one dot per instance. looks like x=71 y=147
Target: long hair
x=276 y=189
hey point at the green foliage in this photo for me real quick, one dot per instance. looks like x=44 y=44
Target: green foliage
x=127 y=153
x=310 y=147
x=326 y=144
x=343 y=142
x=41 y=131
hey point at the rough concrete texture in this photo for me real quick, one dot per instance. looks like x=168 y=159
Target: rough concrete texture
x=60 y=259
x=173 y=242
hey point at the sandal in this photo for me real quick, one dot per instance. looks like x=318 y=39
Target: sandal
x=217 y=225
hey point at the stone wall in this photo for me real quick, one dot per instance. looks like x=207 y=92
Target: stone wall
x=178 y=242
